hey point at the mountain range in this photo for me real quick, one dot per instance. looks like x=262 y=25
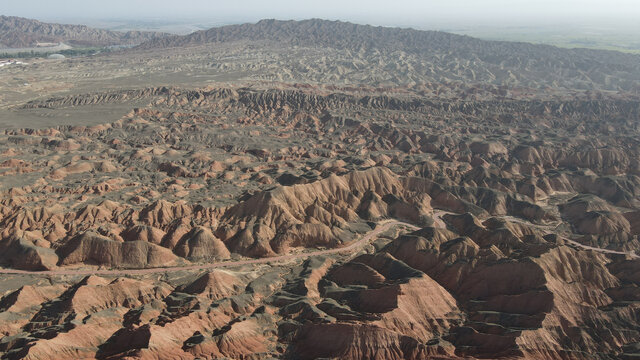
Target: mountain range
x=18 y=32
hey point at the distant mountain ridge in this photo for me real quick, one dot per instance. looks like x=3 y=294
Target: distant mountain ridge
x=610 y=70
x=316 y=32
x=346 y=35
x=17 y=32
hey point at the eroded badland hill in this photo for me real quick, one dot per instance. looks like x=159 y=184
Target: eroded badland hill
x=318 y=189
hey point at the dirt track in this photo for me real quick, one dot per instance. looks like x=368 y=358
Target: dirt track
x=577 y=244
x=604 y=251
x=382 y=227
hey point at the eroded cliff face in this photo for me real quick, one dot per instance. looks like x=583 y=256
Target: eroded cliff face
x=527 y=303
x=527 y=213
x=491 y=289
x=152 y=188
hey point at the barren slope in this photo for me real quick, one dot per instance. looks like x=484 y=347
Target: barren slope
x=178 y=216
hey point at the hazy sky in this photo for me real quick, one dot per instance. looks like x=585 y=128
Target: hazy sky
x=385 y=12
